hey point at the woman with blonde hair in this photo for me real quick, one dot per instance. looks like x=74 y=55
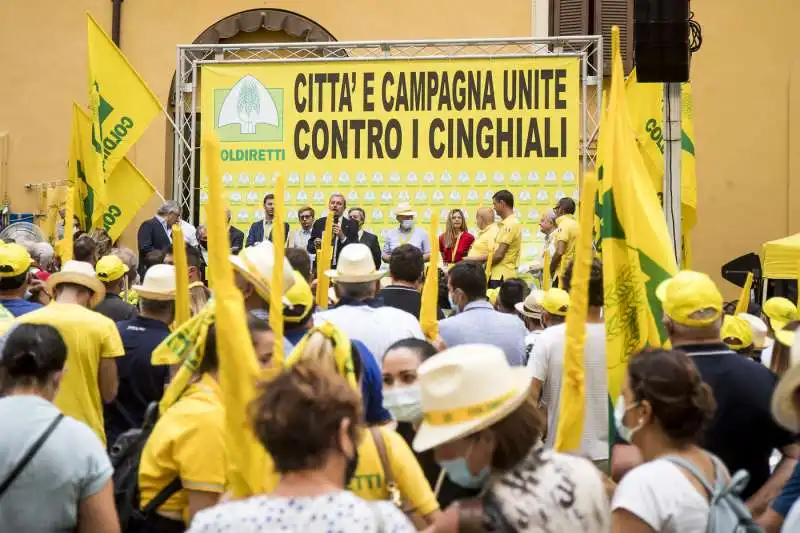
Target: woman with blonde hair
x=199 y=295
x=387 y=468
x=456 y=241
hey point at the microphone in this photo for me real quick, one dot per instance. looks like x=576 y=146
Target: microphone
x=336 y=218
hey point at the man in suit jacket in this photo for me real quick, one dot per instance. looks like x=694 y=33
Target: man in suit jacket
x=345 y=231
x=261 y=230
x=156 y=233
x=357 y=215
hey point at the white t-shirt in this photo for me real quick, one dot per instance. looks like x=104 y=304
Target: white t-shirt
x=546 y=363
x=530 y=341
x=766 y=355
x=661 y=495
x=792 y=522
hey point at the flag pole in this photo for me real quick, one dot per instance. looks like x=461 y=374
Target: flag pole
x=672 y=166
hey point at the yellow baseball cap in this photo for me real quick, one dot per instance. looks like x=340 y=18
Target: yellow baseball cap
x=300 y=298
x=736 y=333
x=691 y=298
x=780 y=312
x=556 y=301
x=14 y=260
x=110 y=268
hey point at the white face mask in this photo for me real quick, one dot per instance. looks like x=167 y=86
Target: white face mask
x=403 y=403
x=624 y=432
x=407 y=224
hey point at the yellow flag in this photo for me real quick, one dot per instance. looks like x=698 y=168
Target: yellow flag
x=744 y=297
x=56 y=200
x=323 y=263
x=122 y=105
x=66 y=243
x=276 y=290
x=428 y=314
x=573 y=392
x=546 y=281
x=646 y=107
x=183 y=310
x=238 y=366
x=637 y=250
x=127 y=188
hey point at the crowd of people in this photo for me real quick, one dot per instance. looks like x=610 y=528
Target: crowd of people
x=369 y=425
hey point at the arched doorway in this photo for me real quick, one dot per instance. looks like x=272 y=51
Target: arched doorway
x=252 y=26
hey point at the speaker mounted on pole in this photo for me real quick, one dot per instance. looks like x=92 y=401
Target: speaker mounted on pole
x=661 y=40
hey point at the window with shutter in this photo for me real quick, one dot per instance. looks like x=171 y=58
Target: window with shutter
x=608 y=13
x=569 y=17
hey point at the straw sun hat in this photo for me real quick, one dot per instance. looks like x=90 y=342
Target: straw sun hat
x=355 y=265
x=158 y=284
x=255 y=264
x=404 y=209
x=79 y=273
x=466 y=389
x=784 y=406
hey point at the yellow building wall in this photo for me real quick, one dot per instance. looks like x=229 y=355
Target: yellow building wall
x=746 y=92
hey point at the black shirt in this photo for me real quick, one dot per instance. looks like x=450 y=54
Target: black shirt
x=140 y=383
x=449 y=491
x=743 y=432
x=115 y=308
x=404 y=298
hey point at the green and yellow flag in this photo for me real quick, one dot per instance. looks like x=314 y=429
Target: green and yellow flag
x=122 y=107
x=646 y=107
x=429 y=308
x=569 y=430
x=637 y=250
x=127 y=188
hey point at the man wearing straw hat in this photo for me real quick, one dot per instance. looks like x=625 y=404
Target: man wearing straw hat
x=406 y=233
x=92 y=340
x=141 y=383
x=114 y=275
x=358 y=313
x=253 y=275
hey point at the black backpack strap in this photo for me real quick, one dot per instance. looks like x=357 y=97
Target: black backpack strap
x=30 y=454
x=162 y=496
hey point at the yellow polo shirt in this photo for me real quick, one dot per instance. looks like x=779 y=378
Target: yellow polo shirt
x=484 y=241
x=369 y=481
x=188 y=442
x=510 y=233
x=89 y=337
x=566 y=232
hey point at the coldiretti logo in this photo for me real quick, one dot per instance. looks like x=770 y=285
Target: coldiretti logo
x=248 y=111
x=107 y=139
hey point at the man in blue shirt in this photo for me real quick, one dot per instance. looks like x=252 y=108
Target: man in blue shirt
x=140 y=382
x=15 y=261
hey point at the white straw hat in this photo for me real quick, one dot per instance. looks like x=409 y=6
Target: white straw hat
x=531 y=307
x=255 y=265
x=404 y=209
x=158 y=284
x=355 y=265
x=759 y=329
x=784 y=408
x=79 y=273
x=466 y=389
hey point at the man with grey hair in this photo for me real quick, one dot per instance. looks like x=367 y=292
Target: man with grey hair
x=156 y=233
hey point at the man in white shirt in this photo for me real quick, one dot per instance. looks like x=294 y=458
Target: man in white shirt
x=358 y=313
x=406 y=233
x=547 y=366
x=530 y=311
x=302 y=235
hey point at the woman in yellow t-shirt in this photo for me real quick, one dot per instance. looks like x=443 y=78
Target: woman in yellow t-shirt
x=187 y=443
x=370 y=481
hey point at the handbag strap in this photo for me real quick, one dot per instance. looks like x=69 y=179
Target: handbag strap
x=30 y=454
x=382 y=454
x=163 y=495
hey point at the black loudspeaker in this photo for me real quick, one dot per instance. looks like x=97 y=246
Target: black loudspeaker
x=661 y=40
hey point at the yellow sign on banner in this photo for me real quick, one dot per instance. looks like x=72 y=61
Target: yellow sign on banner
x=436 y=133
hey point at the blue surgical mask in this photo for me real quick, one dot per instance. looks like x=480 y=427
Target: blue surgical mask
x=453 y=304
x=460 y=474
x=625 y=433
x=407 y=225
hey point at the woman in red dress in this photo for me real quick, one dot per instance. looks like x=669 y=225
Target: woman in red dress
x=455 y=242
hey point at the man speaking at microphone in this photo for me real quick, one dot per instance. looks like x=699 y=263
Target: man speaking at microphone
x=345 y=231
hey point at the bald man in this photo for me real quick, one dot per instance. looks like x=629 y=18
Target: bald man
x=485 y=239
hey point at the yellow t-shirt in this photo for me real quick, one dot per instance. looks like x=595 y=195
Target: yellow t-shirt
x=484 y=242
x=567 y=232
x=89 y=337
x=510 y=233
x=369 y=481
x=187 y=442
